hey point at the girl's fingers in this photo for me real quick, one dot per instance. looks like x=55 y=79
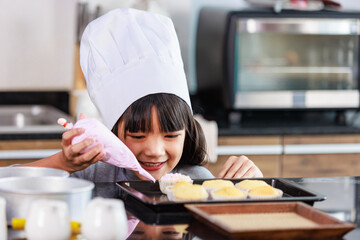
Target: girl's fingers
x=226 y=167
x=76 y=149
x=91 y=155
x=70 y=134
x=247 y=173
x=99 y=157
x=238 y=167
x=253 y=172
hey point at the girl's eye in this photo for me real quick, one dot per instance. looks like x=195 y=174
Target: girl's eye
x=172 y=135
x=136 y=136
x=170 y=232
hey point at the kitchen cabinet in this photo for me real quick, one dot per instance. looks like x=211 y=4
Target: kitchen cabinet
x=321 y=156
x=264 y=151
x=24 y=151
x=276 y=156
x=296 y=155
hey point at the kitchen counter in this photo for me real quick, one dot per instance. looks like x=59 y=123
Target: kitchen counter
x=290 y=123
x=30 y=122
x=343 y=203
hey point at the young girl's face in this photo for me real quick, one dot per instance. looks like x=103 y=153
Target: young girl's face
x=156 y=151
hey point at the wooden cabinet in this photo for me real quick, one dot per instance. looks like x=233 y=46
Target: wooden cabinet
x=295 y=156
x=321 y=156
x=276 y=156
x=321 y=165
x=264 y=151
x=269 y=164
x=24 y=151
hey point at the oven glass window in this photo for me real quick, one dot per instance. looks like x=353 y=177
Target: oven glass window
x=295 y=61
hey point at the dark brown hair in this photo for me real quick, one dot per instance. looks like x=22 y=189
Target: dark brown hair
x=174 y=114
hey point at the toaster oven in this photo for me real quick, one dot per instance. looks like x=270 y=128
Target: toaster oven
x=262 y=60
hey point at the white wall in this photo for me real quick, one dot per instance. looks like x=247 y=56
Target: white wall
x=37 y=44
x=38 y=36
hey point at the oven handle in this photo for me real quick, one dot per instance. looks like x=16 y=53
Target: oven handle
x=299 y=26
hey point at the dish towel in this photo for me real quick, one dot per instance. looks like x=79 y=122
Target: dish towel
x=210 y=129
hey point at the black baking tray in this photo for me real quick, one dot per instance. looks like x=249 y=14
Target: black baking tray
x=147 y=194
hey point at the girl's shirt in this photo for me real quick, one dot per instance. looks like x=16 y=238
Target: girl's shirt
x=103 y=172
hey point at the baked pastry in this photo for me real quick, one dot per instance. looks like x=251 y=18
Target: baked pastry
x=171 y=179
x=214 y=184
x=248 y=184
x=190 y=193
x=170 y=189
x=265 y=192
x=228 y=193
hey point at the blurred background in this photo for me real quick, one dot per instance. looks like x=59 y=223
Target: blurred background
x=283 y=91
x=39 y=43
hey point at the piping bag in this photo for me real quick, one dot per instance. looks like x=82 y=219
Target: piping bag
x=117 y=153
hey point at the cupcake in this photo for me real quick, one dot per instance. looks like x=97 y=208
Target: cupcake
x=247 y=185
x=214 y=184
x=265 y=192
x=170 y=189
x=171 y=179
x=190 y=193
x=228 y=193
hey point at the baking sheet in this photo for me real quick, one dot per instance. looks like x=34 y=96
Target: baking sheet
x=275 y=220
x=148 y=193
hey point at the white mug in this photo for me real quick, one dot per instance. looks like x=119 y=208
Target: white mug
x=105 y=219
x=3 y=222
x=48 y=219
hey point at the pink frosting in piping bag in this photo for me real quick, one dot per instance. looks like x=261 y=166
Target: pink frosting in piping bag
x=117 y=153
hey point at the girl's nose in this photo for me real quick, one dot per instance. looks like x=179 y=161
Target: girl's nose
x=155 y=147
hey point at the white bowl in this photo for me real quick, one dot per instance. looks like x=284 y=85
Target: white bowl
x=20 y=192
x=31 y=172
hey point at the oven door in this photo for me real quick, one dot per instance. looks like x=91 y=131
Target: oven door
x=285 y=63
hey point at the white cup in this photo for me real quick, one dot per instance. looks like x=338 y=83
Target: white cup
x=3 y=222
x=105 y=219
x=48 y=219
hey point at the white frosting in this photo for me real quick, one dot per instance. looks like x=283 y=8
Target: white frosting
x=174 y=177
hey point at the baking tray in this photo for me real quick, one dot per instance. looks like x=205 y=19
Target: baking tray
x=276 y=220
x=150 y=216
x=148 y=194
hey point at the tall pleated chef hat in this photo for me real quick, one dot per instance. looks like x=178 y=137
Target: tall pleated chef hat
x=127 y=54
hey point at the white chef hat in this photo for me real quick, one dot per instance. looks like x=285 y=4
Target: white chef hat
x=127 y=54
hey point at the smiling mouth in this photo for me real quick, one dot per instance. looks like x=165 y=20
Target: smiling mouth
x=151 y=164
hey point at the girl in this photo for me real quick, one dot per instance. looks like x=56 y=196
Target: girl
x=133 y=69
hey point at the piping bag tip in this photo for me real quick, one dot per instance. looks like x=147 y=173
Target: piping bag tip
x=61 y=121
x=147 y=175
x=64 y=123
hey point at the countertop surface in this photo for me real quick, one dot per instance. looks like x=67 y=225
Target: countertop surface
x=342 y=202
x=291 y=123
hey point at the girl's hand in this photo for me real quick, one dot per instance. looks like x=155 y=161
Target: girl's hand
x=239 y=167
x=72 y=159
